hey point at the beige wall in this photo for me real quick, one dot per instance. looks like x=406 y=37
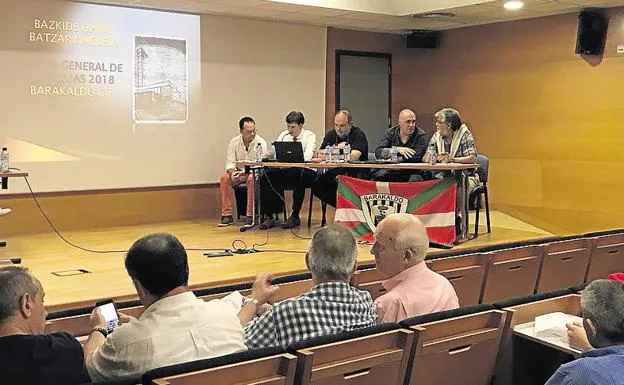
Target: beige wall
x=240 y=67
x=550 y=121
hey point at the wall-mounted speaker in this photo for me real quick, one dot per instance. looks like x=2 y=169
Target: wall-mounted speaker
x=592 y=32
x=423 y=39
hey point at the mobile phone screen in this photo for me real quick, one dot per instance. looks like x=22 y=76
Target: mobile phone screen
x=110 y=315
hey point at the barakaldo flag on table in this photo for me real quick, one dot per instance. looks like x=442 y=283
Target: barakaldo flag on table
x=362 y=204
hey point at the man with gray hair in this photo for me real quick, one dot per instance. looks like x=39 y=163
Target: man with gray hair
x=602 y=304
x=27 y=355
x=412 y=288
x=330 y=307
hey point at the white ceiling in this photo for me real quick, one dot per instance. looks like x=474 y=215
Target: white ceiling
x=395 y=16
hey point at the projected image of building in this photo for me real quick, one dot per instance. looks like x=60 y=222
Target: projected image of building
x=160 y=80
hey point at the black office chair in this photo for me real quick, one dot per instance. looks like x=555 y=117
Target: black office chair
x=480 y=193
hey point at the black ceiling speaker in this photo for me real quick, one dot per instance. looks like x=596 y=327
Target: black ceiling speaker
x=423 y=39
x=592 y=32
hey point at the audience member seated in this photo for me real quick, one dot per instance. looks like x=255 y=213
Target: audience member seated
x=344 y=133
x=27 y=356
x=602 y=305
x=412 y=288
x=330 y=307
x=411 y=143
x=175 y=326
x=275 y=180
x=453 y=143
x=242 y=147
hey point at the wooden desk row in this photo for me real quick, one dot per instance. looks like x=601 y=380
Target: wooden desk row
x=475 y=348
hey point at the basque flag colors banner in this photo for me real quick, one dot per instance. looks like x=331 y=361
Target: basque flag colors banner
x=362 y=204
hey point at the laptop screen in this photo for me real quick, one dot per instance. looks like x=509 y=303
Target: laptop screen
x=289 y=152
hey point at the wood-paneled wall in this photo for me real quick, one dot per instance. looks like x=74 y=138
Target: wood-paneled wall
x=101 y=209
x=551 y=121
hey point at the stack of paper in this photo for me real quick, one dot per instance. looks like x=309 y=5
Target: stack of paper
x=553 y=325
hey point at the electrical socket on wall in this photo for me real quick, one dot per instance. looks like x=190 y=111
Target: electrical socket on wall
x=620 y=49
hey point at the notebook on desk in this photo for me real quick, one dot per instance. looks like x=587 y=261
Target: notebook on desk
x=289 y=152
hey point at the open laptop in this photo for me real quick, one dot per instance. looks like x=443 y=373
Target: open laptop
x=289 y=152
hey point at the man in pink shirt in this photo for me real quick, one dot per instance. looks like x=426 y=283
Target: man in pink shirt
x=412 y=288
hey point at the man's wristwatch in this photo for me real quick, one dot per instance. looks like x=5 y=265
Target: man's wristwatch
x=253 y=300
x=100 y=330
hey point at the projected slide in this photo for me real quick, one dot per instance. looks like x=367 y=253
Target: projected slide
x=160 y=80
x=92 y=90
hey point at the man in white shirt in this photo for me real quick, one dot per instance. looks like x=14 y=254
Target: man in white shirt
x=274 y=180
x=241 y=147
x=175 y=326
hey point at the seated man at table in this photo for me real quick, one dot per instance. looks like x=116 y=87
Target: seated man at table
x=411 y=144
x=330 y=307
x=453 y=143
x=27 y=355
x=241 y=147
x=275 y=180
x=175 y=326
x=412 y=288
x=602 y=305
x=344 y=133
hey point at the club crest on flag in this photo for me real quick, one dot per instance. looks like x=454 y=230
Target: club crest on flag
x=376 y=207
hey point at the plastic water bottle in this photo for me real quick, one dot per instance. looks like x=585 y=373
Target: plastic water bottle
x=433 y=158
x=328 y=154
x=259 y=152
x=4 y=160
x=394 y=157
x=347 y=150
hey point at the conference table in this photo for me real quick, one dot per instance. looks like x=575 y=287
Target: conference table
x=255 y=168
x=5 y=185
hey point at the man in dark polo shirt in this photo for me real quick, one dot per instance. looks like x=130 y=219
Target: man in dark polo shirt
x=344 y=133
x=411 y=143
x=27 y=356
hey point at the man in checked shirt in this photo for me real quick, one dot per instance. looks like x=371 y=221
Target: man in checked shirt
x=330 y=307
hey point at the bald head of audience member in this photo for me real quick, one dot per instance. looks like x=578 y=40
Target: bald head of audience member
x=21 y=302
x=407 y=122
x=401 y=242
x=332 y=255
x=602 y=304
x=158 y=266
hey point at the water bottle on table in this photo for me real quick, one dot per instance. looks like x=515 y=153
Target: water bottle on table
x=433 y=157
x=394 y=155
x=259 y=150
x=4 y=160
x=347 y=150
x=328 y=157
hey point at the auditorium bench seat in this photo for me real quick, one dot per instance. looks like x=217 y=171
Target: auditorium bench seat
x=459 y=350
x=466 y=273
x=564 y=264
x=374 y=355
x=607 y=256
x=512 y=273
x=513 y=362
x=268 y=366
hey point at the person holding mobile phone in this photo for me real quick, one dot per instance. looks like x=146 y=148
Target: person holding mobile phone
x=28 y=355
x=175 y=326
